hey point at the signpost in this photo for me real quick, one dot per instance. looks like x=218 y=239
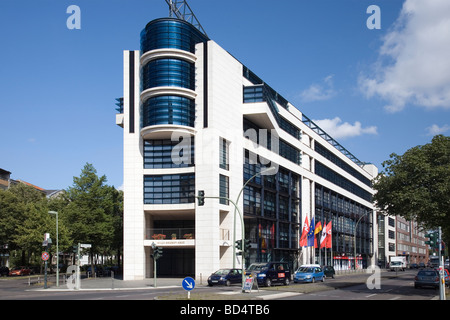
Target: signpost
x=45 y=256
x=188 y=285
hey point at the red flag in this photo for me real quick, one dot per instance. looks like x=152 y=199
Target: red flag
x=304 y=239
x=328 y=240
x=323 y=236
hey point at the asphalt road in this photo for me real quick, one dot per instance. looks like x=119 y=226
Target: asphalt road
x=393 y=286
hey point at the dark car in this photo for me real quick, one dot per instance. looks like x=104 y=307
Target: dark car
x=225 y=277
x=414 y=266
x=329 y=271
x=268 y=273
x=4 y=271
x=427 y=278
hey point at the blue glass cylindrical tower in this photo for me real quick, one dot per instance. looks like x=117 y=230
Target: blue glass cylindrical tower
x=167 y=48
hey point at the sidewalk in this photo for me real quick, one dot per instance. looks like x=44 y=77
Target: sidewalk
x=108 y=283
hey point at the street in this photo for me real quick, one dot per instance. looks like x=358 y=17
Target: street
x=344 y=287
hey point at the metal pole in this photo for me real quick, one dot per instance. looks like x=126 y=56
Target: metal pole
x=354 y=237
x=441 y=269
x=154 y=271
x=78 y=280
x=45 y=274
x=57 y=249
x=235 y=207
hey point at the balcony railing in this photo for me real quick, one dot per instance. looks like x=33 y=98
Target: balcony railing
x=170 y=233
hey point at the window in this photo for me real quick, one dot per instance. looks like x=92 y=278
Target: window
x=391 y=222
x=224 y=189
x=391 y=234
x=330 y=175
x=168 y=110
x=168 y=72
x=169 y=189
x=224 y=158
x=158 y=154
x=269 y=205
x=252 y=200
x=253 y=94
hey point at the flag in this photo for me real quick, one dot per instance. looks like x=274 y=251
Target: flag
x=323 y=236
x=310 y=235
x=317 y=229
x=303 y=242
x=328 y=241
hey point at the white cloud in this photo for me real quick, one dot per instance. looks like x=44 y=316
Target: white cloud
x=435 y=129
x=319 y=92
x=338 y=130
x=414 y=63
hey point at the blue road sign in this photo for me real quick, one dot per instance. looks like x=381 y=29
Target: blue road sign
x=188 y=284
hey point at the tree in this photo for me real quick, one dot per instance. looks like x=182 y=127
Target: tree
x=24 y=220
x=90 y=212
x=416 y=185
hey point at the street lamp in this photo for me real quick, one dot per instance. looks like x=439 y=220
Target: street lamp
x=237 y=201
x=57 y=249
x=354 y=236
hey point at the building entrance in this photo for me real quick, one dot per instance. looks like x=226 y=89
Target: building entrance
x=176 y=263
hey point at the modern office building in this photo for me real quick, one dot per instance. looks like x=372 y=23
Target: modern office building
x=195 y=118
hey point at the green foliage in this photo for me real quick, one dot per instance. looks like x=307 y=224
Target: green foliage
x=416 y=185
x=94 y=211
x=88 y=212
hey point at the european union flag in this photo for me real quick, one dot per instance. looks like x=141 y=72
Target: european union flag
x=311 y=234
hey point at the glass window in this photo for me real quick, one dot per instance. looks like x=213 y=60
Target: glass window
x=224 y=189
x=170 y=33
x=169 y=189
x=224 y=157
x=168 y=110
x=158 y=154
x=168 y=72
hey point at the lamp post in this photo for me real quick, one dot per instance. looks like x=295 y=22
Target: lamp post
x=354 y=236
x=237 y=201
x=57 y=249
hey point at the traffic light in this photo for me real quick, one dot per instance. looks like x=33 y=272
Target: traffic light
x=433 y=242
x=238 y=246
x=157 y=253
x=201 y=198
x=247 y=245
x=77 y=252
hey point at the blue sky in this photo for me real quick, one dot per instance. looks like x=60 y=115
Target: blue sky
x=377 y=91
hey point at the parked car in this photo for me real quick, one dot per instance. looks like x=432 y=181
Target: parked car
x=225 y=277
x=414 y=266
x=4 y=271
x=329 y=271
x=446 y=276
x=268 y=273
x=427 y=278
x=309 y=273
x=20 y=271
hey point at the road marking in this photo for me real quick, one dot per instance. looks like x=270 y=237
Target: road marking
x=371 y=295
x=229 y=292
x=395 y=298
x=279 y=295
